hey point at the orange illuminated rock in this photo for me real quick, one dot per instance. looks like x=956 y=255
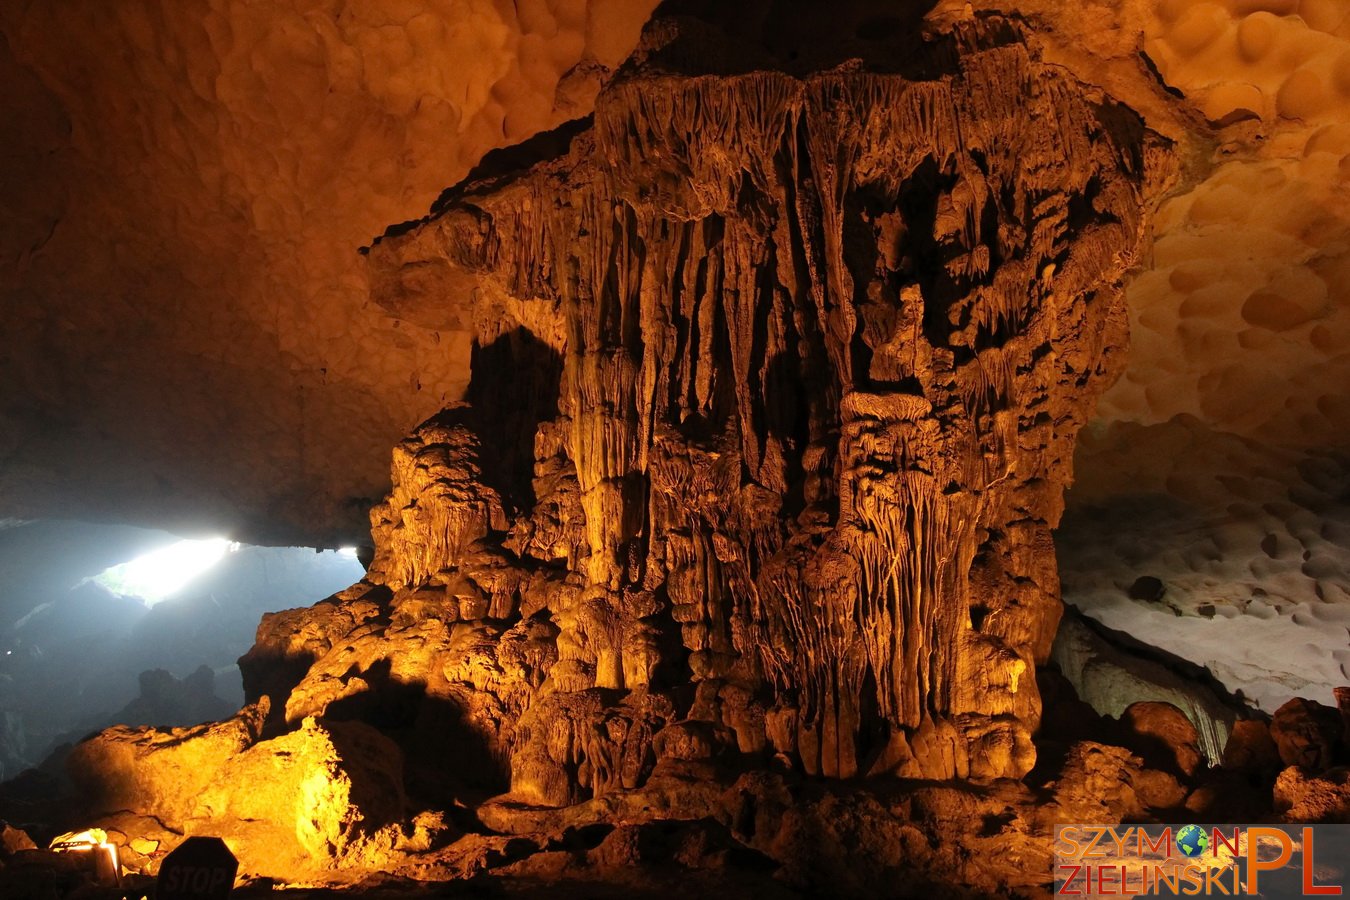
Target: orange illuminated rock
x=1307 y=734
x=775 y=380
x=805 y=358
x=160 y=772
x=1305 y=796
x=1162 y=735
x=774 y=388
x=1251 y=749
x=323 y=795
x=14 y=840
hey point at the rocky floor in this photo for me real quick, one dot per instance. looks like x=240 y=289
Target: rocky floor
x=711 y=830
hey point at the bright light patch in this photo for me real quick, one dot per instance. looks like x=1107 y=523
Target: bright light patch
x=162 y=572
x=349 y=552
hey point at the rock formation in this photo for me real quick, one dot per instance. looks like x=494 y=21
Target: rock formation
x=802 y=359
x=1219 y=464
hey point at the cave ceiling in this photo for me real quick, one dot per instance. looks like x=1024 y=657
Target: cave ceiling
x=190 y=338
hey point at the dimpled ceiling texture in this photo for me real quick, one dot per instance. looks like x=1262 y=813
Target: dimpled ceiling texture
x=184 y=186
x=1218 y=465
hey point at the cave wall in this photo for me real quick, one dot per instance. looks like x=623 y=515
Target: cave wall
x=1219 y=463
x=773 y=373
x=193 y=343
x=190 y=342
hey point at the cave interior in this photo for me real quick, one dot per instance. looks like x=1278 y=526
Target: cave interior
x=617 y=448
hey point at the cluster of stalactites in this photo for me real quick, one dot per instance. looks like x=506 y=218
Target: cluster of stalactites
x=821 y=338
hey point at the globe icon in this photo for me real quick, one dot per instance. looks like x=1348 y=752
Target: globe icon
x=1192 y=841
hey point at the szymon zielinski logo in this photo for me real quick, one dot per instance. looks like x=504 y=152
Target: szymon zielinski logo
x=1202 y=860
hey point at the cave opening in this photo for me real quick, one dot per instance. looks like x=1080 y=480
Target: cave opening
x=157 y=575
x=104 y=624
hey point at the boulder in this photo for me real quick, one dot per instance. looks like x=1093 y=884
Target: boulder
x=328 y=793
x=13 y=840
x=1251 y=749
x=1158 y=790
x=323 y=795
x=159 y=772
x=1147 y=587
x=1096 y=784
x=1163 y=737
x=1306 y=733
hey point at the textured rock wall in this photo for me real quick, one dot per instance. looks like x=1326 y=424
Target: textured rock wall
x=323 y=795
x=776 y=375
x=1244 y=319
x=1247 y=543
x=802 y=360
x=1220 y=462
x=190 y=342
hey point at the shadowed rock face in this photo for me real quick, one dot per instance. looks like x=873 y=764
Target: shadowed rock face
x=802 y=360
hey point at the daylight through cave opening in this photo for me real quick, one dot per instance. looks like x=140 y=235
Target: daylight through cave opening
x=134 y=626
